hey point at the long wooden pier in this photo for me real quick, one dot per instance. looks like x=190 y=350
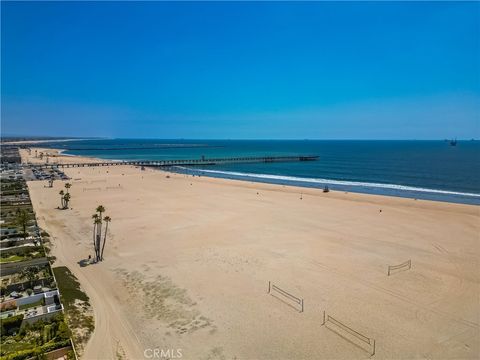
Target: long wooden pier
x=182 y=162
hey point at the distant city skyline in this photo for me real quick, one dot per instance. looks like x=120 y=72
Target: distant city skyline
x=241 y=70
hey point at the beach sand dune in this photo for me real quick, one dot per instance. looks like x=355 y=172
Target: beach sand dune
x=188 y=261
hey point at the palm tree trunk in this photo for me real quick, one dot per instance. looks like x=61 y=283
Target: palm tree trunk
x=104 y=240
x=99 y=238
x=94 y=242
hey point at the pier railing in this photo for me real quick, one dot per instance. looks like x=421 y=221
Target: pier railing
x=182 y=162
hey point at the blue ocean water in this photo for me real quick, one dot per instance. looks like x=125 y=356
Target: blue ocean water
x=417 y=169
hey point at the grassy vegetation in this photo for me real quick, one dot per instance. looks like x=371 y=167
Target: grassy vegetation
x=10 y=325
x=12 y=258
x=31 y=341
x=23 y=255
x=76 y=305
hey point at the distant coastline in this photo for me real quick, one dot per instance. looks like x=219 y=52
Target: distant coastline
x=25 y=141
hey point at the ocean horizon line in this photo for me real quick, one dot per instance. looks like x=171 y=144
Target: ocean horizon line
x=74 y=138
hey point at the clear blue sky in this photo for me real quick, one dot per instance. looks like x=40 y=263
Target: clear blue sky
x=318 y=70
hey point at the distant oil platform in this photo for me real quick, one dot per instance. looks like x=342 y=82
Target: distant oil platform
x=452 y=142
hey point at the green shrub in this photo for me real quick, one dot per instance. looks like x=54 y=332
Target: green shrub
x=63 y=331
x=57 y=345
x=38 y=351
x=47 y=333
x=20 y=355
x=10 y=325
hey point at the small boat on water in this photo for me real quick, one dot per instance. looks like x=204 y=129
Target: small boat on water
x=453 y=142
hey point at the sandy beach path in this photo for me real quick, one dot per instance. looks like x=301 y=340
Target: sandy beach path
x=113 y=336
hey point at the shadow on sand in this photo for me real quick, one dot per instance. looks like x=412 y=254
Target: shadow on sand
x=285 y=302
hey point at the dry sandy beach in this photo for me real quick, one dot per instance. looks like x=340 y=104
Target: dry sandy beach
x=188 y=262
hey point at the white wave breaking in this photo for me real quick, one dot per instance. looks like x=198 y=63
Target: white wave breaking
x=335 y=182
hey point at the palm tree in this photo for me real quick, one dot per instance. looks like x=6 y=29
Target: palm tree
x=100 y=210
x=107 y=219
x=66 y=199
x=22 y=217
x=97 y=232
x=95 y=222
x=68 y=186
x=30 y=273
x=61 y=193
